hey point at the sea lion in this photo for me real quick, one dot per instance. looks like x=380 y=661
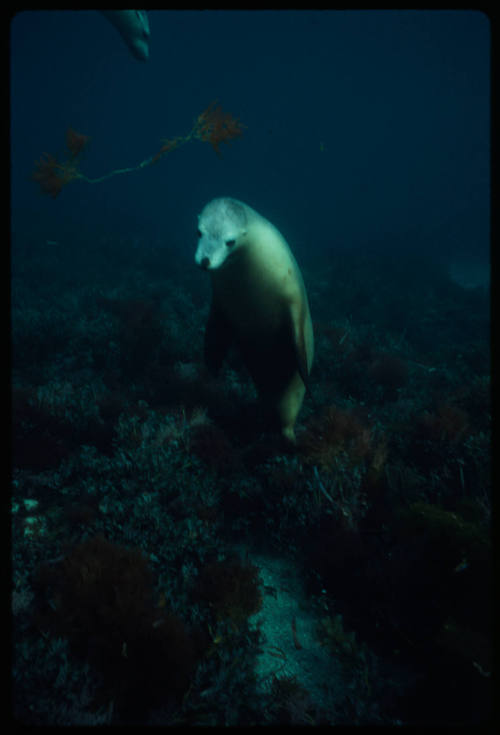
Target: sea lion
x=133 y=26
x=259 y=303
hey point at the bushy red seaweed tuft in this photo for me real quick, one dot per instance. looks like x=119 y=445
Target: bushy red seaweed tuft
x=101 y=597
x=76 y=142
x=215 y=126
x=447 y=423
x=53 y=175
x=335 y=431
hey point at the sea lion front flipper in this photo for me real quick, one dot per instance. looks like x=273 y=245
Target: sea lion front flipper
x=218 y=338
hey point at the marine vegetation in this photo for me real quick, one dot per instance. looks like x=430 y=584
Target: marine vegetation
x=100 y=597
x=150 y=500
x=213 y=126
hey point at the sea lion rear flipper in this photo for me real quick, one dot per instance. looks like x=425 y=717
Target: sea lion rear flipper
x=297 y=327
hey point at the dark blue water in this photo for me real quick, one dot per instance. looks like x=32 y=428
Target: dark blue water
x=361 y=126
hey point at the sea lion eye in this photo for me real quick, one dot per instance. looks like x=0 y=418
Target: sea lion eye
x=199 y=233
x=230 y=243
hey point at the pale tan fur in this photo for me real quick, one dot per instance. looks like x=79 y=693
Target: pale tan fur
x=259 y=288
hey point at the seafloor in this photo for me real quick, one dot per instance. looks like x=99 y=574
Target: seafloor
x=174 y=563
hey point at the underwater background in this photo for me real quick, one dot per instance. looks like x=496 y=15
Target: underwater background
x=172 y=561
